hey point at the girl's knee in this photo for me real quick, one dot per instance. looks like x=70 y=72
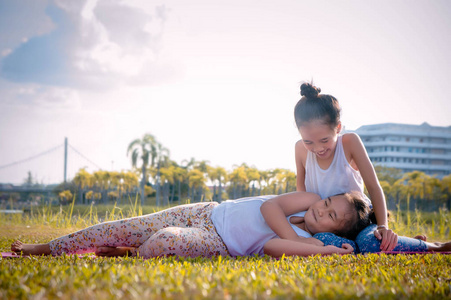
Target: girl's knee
x=187 y=242
x=165 y=242
x=367 y=241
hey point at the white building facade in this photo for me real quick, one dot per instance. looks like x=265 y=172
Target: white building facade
x=409 y=148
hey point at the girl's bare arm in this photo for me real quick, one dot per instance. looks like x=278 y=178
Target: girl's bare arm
x=300 y=155
x=278 y=247
x=276 y=210
x=360 y=157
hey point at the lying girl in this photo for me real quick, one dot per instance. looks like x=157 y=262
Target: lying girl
x=234 y=227
x=275 y=209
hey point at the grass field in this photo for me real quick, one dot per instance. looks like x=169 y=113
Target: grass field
x=374 y=276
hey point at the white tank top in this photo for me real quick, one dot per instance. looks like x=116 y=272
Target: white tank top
x=339 y=178
x=242 y=226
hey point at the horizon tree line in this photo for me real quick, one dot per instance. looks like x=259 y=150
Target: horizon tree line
x=154 y=174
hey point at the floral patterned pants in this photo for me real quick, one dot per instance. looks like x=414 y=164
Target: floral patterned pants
x=185 y=230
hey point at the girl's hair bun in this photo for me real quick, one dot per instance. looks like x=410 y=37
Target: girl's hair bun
x=309 y=90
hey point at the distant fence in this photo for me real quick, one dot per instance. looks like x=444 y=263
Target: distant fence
x=23 y=189
x=10 y=195
x=11 y=211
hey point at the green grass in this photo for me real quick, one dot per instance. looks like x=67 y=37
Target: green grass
x=436 y=225
x=425 y=276
x=330 y=277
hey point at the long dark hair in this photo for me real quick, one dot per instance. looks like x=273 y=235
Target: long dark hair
x=363 y=217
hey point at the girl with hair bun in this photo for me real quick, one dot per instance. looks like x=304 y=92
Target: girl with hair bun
x=330 y=163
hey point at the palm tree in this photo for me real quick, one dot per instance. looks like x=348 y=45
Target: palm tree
x=160 y=157
x=253 y=175
x=265 y=177
x=277 y=181
x=238 y=179
x=398 y=191
x=435 y=193
x=218 y=175
x=83 y=180
x=174 y=169
x=187 y=164
x=415 y=182
x=387 y=174
x=196 y=181
x=386 y=188
x=202 y=166
x=143 y=150
x=446 y=189
x=102 y=181
x=167 y=179
x=211 y=176
x=180 y=175
x=115 y=179
x=289 y=178
x=130 y=182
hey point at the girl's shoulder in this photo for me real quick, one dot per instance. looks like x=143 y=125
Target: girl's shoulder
x=300 y=148
x=300 y=152
x=299 y=144
x=351 y=148
x=352 y=145
x=350 y=138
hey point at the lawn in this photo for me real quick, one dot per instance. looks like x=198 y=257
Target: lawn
x=374 y=276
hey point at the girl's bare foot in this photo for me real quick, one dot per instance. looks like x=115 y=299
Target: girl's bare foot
x=436 y=246
x=439 y=247
x=443 y=247
x=114 y=251
x=30 y=249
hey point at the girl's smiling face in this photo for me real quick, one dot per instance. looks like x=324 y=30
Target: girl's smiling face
x=328 y=215
x=319 y=138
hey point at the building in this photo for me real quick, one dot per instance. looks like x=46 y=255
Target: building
x=410 y=148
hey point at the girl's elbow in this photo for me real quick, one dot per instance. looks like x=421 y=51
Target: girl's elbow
x=267 y=250
x=270 y=248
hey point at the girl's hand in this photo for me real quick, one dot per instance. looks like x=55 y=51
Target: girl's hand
x=345 y=249
x=388 y=237
x=277 y=247
x=348 y=248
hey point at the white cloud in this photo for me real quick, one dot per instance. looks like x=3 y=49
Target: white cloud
x=93 y=71
x=20 y=20
x=95 y=44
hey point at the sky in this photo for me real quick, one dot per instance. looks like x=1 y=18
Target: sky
x=211 y=80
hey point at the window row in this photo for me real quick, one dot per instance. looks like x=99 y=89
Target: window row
x=436 y=162
x=407 y=139
x=407 y=150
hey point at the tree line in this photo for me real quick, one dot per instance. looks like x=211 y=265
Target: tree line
x=171 y=182
x=154 y=174
x=414 y=189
